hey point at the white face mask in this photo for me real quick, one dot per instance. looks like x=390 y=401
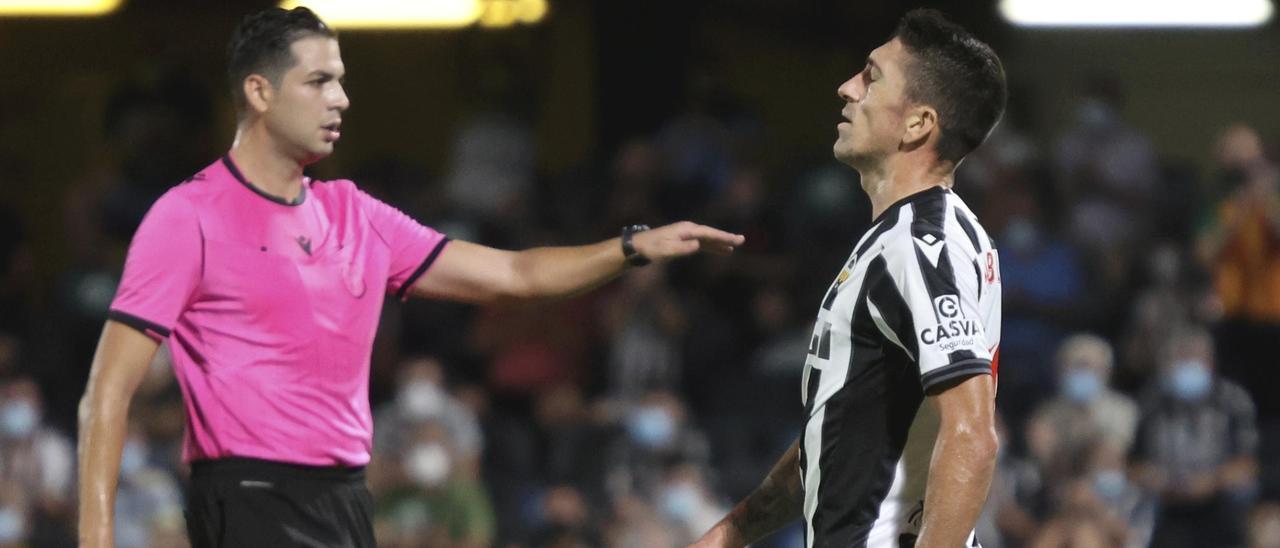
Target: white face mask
x=427 y=464
x=420 y=400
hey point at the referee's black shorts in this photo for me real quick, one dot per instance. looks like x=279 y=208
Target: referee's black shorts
x=242 y=502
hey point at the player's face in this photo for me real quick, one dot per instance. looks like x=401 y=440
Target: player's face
x=874 y=108
x=306 y=110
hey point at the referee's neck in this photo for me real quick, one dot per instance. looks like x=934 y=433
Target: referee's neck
x=268 y=170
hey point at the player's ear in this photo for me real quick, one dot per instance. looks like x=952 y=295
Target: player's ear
x=920 y=121
x=258 y=92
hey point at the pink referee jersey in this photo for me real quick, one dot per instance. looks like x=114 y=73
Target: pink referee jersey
x=270 y=309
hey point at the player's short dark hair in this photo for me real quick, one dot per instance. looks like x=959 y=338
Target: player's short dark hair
x=260 y=45
x=958 y=75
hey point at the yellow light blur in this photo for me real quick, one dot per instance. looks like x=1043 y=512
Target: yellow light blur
x=57 y=8
x=392 y=14
x=409 y=14
x=1137 y=13
x=531 y=11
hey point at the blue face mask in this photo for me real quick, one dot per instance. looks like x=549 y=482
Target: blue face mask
x=1081 y=385
x=651 y=427
x=133 y=458
x=1109 y=484
x=12 y=527
x=18 y=419
x=678 y=502
x=1189 y=380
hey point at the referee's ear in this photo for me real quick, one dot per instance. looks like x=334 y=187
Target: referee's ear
x=258 y=93
x=921 y=121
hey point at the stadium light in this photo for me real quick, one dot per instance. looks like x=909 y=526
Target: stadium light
x=57 y=8
x=1137 y=13
x=421 y=14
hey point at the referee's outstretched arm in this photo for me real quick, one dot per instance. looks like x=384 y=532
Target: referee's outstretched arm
x=123 y=356
x=473 y=273
x=964 y=459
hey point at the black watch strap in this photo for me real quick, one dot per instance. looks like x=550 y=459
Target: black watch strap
x=634 y=258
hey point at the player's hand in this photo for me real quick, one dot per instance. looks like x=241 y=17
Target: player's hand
x=684 y=238
x=719 y=536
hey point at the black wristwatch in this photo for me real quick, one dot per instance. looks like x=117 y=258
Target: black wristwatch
x=634 y=258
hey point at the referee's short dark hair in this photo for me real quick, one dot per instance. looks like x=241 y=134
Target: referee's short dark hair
x=958 y=75
x=260 y=45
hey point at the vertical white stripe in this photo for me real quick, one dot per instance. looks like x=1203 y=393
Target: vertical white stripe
x=813 y=474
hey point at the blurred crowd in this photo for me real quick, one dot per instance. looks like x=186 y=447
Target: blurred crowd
x=1136 y=387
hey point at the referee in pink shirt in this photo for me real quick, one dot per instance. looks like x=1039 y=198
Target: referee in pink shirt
x=267 y=286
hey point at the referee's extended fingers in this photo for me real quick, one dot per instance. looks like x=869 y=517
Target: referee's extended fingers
x=711 y=235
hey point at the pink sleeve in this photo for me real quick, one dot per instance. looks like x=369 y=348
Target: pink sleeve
x=414 y=247
x=162 y=270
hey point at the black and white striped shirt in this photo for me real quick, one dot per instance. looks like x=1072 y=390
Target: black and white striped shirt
x=916 y=306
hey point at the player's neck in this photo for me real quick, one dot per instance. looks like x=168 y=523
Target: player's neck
x=265 y=166
x=895 y=180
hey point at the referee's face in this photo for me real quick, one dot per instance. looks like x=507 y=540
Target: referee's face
x=874 y=109
x=305 y=112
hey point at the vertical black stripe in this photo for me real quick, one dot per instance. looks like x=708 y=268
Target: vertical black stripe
x=892 y=305
x=888 y=220
x=865 y=428
x=938 y=281
x=977 y=271
x=967 y=227
x=929 y=216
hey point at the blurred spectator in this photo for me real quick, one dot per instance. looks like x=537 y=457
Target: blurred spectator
x=1168 y=304
x=1264 y=526
x=38 y=462
x=687 y=503
x=148 y=498
x=658 y=432
x=530 y=348
x=1044 y=297
x=637 y=524
x=1087 y=411
x=422 y=396
x=1240 y=245
x=492 y=168
x=427 y=501
x=566 y=521
x=645 y=325
x=1108 y=171
x=1195 y=448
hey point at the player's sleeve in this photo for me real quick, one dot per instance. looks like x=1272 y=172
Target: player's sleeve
x=920 y=303
x=163 y=268
x=414 y=247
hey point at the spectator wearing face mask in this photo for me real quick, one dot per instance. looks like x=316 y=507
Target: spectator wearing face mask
x=687 y=503
x=430 y=501
x=39 y=462
x=655 y=432
x=421 y=397
x=1086 y=409
x=1195 y=448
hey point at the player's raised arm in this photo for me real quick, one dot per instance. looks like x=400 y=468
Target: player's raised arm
x=475 y=273
x=778 y=501
x=964 y=459
x=122 y=358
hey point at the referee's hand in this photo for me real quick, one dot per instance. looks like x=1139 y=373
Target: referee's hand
x=684 y=238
